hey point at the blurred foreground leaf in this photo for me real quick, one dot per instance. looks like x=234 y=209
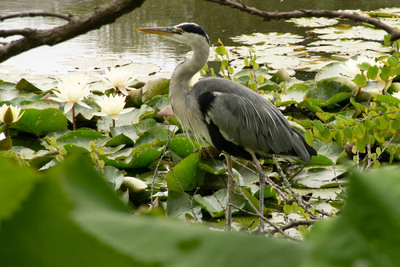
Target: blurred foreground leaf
x=71 y=217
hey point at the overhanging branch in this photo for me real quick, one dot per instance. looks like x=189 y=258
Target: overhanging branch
x=75 y=26
x=394 y=33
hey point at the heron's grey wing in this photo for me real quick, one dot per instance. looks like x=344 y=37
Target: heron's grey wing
x=245 y=118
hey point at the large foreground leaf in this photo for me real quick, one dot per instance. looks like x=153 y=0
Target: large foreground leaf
x=71 y=217
x=368 y=231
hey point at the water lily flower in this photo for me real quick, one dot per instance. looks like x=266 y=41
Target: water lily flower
x=112 y=106
x=72 y=89
x=350 y=68
x=10 y=114
x=119 y=78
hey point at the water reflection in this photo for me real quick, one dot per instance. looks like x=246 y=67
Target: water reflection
x=122 y=40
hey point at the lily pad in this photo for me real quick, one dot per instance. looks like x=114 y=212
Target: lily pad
x=355 y=32
x=81 y=138
x=155 y=87
x=349 y=48
x=268 y=38
x=327 y=89
x=182 y=145
x=7 y=91
x=185 y=175
x=318 y=177
x=313 y=22
x=41 y=122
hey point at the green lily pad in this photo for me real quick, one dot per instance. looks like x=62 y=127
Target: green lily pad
x=329 y=88
x=144 y=155
x=7 y=91
x=185 y=175
x=182 y=145
x=268 y=38
x=155 y=87
x=41 y=122
x=214 y=204
x=81 y=138
x=27 y=86
x=313 y=22
x=321 y=176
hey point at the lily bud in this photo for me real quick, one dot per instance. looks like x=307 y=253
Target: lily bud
x=10 y=114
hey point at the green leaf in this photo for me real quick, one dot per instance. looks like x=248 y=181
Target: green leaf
x=320 y=176
x=360 y=80
x=220 y=50
x=309 y=138
x=45 y=219
x=387 y=99
x=386 y=72
x=213 y=204
x=184 y=176
x=73 y=211
x=41 y=122
x=154 y=88
x=25 y=85
x=338 y=98
x=180 y=205
x=7 y=91
x=183 y=146
x=369 y=230
x=393 y=60
x=6 y=143
x=81 y=138
x=372 y=72
x=143 y=156
x=327 y=88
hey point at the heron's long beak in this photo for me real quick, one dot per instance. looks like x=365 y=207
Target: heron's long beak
x=164 y=31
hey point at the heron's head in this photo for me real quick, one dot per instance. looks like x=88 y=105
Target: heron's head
x=188 y=33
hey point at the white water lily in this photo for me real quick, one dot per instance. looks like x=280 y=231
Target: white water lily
x=112 y=106
x=119 y=78
x=72 y=89
x=10 y=114
x=351 y=69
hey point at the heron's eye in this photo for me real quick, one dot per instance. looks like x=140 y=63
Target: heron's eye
x=178 y=31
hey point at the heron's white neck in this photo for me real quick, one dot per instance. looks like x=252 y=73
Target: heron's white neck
x=183 y=73
x=183 y=103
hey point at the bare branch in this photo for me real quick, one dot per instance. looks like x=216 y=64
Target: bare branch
x=36 y=14
x=24 y=32
x=395 y=34
x=101 y=15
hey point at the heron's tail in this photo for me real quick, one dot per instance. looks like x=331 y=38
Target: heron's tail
x=302 y=149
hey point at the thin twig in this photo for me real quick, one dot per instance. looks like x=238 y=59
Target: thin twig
x=334 y=168
x=295 y=223
x=304 y=204
x=380 y=154
x=158 y=166
x=261 y=216
x=187 y=198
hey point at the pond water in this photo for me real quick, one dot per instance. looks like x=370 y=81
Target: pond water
x=121 y=40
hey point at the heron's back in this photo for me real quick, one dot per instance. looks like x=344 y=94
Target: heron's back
x=240 y=120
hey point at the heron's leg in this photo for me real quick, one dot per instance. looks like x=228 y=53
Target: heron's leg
x=261 y=177
x=230 y=188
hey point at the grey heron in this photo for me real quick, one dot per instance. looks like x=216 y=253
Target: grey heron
x=230 y=116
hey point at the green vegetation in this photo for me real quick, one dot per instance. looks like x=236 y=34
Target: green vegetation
x=128 y=187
